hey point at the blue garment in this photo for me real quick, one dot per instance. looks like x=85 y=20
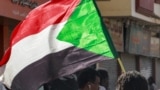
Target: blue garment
x=2 y=87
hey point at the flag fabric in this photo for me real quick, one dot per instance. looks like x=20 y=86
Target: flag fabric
x=56 y=39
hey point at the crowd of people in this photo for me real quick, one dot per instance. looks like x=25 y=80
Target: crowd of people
x=91 y=79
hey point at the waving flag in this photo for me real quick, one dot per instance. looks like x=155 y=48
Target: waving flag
x=57 y=38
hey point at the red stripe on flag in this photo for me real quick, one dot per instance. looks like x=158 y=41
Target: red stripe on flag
x=5 y=57
x=43 y=16
x=52 y=12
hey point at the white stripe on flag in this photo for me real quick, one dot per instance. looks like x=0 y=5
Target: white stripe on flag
x=33 y=48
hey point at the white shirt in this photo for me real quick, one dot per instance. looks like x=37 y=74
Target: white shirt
x=102 y=88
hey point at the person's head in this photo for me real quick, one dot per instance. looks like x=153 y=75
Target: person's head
x=103 y=78
x=131 y=80
x=68 y=82
x=151 y=80
x=88 y=79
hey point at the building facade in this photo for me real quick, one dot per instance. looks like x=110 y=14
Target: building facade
x=134 y=26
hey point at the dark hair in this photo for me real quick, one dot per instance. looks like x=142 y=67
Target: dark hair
x=87 y=75
x=151 y=80
x=68 y=82
x=103 y=75
x=131 y=80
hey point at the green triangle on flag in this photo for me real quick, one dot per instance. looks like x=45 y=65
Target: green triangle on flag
x=85 y=29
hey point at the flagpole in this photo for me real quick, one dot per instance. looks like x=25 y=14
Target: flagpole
x=121 y=65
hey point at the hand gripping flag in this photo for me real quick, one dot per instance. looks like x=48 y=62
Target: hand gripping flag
x=57 y=38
